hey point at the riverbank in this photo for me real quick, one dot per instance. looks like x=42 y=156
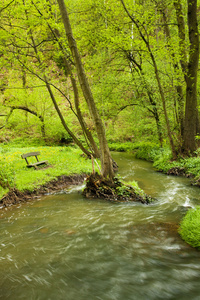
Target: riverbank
x=19 y=183
x=162 y=159
x=61 y=183
x=66 y=166
x=67 y=162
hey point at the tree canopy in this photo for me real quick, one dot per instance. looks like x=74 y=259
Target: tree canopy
x=140 y=59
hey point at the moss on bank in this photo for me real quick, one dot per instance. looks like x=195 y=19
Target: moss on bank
x=190 y=227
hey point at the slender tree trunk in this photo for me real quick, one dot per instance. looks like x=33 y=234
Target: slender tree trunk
x=153 y=103
x=64 y=123
x=183 y=56
x=182 y=35
x=162 y=95
x=106 y=160
x=68 y=71
x=86 y=132
x=75 y=139
x=191 y=112
x=45 y=79
x=180 y=98
x=27 y=110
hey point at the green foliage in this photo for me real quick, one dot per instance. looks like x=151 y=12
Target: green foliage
x=121 y=147
x=118 y=66
x=142 y=150
x=7 y=173
x=137 y=189
x=148 y=151
x=122 y=190
x=192 y=165
x=190 y=227
x=162 y=161
x=20 y=142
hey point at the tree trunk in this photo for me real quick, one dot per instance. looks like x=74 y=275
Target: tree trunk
x=191 y=112
x=106 y=160
x=68 y=72
x=88 y=136
x=180 y=98
x=78 y=143
x=162 y=95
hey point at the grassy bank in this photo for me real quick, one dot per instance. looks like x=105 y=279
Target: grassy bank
x=65 y=162
x=190 y=227
x=62 y=161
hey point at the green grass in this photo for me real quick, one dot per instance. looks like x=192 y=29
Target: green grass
x=190 y=227
x=62 y=160
x=137 y=189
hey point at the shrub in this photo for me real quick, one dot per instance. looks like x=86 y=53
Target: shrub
x=121 y=147
x=190 y=227
x=147 y=151
x=7 y=174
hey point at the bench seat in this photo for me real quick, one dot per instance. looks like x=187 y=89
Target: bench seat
x=37 y=163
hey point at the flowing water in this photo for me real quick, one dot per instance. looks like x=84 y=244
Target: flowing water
x=66 y=247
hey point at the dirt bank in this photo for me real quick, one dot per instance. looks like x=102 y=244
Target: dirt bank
x=15 y=196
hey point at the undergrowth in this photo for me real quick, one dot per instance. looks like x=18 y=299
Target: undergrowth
x=148 y=151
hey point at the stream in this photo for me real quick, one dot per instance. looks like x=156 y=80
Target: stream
x=66 y=247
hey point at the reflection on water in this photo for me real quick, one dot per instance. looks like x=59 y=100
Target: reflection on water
x=67 y=247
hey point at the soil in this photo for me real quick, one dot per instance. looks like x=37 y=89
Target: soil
x=178 y=171
x=15 y=196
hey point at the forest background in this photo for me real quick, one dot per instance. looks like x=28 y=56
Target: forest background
x=140 y=57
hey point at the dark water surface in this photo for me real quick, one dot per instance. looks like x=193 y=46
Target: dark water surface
x=66 y=247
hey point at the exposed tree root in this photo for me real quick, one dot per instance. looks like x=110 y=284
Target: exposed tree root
x=179 y=171
x=14 y=196
x=116 y=191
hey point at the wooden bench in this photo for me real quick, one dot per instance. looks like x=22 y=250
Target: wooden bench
x=38 y=163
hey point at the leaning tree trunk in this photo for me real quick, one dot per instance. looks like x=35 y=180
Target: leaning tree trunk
x=106 y=160
x=191 y=112
x=179 y=88
x=156 y=72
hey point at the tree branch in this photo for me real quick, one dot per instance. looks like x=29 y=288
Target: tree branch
x=6 y=6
